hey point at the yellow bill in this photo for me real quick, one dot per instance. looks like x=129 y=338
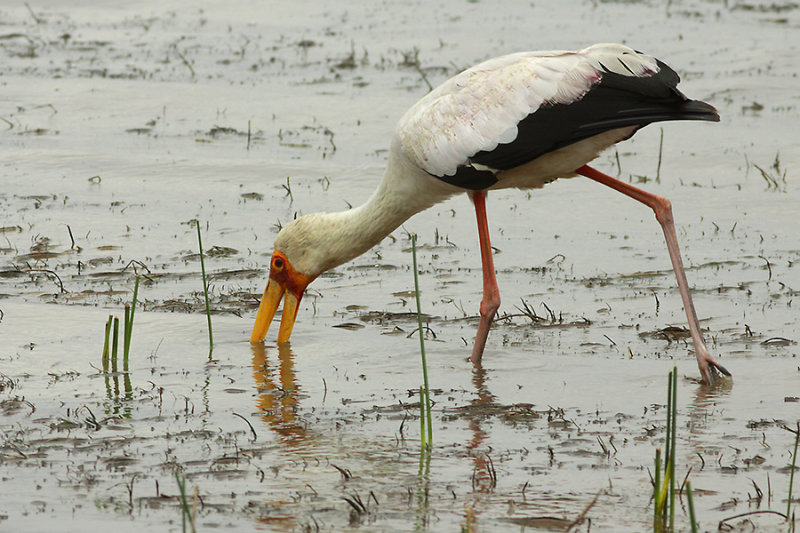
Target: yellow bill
x=283 y=280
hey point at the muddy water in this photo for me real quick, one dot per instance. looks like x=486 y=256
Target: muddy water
x=124 y=125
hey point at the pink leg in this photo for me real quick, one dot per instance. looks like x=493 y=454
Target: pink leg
x=663 y=210
x=491 y=294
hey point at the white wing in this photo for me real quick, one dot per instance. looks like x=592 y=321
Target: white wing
x=480 y=108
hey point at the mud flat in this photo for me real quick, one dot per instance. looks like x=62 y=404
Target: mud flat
x=123 y=126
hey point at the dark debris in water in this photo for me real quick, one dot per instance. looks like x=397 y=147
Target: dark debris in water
x=349 y=325
x=512 y=414
x=388 y=317
x=669 y=334
x=539 y=523
x=252 y=196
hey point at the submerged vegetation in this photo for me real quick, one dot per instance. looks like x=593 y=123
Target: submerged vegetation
x=111 y=347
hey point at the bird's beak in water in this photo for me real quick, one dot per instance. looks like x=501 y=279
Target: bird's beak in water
x=283 y=279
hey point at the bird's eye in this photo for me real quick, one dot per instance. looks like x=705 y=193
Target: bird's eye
x=277 y=263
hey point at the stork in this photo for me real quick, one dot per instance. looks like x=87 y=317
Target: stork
x=516 y=121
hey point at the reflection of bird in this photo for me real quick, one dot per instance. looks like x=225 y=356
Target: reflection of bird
x=520 y=120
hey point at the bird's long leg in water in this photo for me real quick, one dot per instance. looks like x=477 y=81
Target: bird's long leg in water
x=491 y=294
x=663 y=210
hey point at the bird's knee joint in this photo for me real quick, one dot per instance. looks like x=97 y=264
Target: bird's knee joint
x=490 y=306
x=663 y=208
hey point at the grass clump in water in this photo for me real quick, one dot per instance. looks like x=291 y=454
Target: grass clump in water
x=111 y=341
x=664 y=487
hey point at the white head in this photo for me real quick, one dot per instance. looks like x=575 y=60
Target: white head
x=295 y=262
x=304 y=248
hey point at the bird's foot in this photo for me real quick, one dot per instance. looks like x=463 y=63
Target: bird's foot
x=710 y=369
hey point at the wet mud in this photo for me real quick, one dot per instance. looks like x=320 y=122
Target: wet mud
x=123 y=126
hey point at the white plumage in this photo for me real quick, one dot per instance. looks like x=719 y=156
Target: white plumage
x=519 y=120
x=481 y=107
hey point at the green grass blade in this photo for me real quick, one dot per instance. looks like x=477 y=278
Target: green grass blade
x=667 y=448
x=690 y=501
x=129 y=325
x=674 y=405
x=427 y=398
x=205 y=288
x=422 y=420
x=791 y=472
x=668 y=430
x=114 y=345
x=106 y=343
x=186 y=513
x=126 y=325
x=657 y=486
x=663 y=493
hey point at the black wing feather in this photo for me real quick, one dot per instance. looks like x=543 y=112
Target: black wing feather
x=469 y=177
x=616 y=101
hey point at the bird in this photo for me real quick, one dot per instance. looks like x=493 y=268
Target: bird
x=516 y=121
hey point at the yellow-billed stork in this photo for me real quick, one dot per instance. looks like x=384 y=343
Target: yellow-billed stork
x=521 y=121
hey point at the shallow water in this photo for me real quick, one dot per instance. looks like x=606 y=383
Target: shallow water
x=124 y=125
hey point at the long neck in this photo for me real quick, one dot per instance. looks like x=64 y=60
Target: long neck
x=404 y=191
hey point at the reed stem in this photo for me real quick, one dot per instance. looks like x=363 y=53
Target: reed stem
x=791 y=473
x=427 y=398
x=690 y=501
x=129 y=325
x=205 y=288
x=114 y=345
x=106 y=343
x=422 y=417
x=657 y=488
x=126 y=322
x=186 y=513
x=674 y=415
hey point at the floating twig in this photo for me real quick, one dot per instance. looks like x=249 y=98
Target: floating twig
x=46 y=271
x=750 y=513
x=581 y=517
x=329 y=133
x=253 y=431
x=769 y=266
x=188 y=65
x=71 y=238
x=345 y=472
x=35 y=17
x=288 y=188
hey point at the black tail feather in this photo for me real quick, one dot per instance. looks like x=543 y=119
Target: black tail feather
x=616 y=101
